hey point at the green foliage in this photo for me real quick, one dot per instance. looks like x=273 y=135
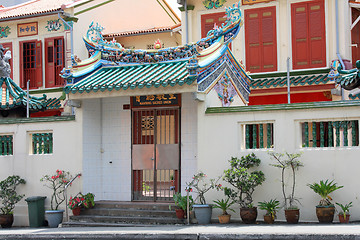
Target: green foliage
x=181 y=201
x=89 y=200
x=224 y=205
x=270 y=207
x=8 y=195
x=201 y=186
x=324 y=189
x=243 y=181
x=57 y=183
x=345 y=208
x=292 y=163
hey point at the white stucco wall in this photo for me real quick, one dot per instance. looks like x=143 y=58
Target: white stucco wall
x=220 y=138
x=66 y=156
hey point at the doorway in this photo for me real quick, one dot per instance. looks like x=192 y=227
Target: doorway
x=155 y=154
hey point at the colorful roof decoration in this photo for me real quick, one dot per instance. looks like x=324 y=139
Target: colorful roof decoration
x=134 y=76
x=113 y=67
x=12 y=96
x=302 y=80
x=143 y=31
x=348 y=79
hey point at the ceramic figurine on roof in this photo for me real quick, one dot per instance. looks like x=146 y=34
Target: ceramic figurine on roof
x=349 y=79
x=13 y=97
x=206 y=61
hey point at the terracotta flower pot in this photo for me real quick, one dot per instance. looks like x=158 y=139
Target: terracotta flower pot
x=223 y=219
x=269 y=219
x=248 y=215
x=6 y=220
x=344 y=220
x=180 y=213
x=76 y=211
x=292 y=216
x=325 y=214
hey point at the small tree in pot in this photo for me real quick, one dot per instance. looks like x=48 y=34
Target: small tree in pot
x=200 y=185
x=9 y=197
x=292 y=162
x=244 y=184
x=325 y=210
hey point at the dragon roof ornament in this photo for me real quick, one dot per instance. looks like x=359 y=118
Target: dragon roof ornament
x=114 y=52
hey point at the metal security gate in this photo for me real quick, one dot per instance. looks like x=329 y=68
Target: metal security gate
x=155 y=154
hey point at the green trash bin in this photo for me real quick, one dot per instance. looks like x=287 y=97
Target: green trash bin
x=36 y=208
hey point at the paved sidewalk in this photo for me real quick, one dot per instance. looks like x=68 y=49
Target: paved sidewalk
x=213 y=231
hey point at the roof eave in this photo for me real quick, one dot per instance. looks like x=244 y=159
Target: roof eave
x=32 y=15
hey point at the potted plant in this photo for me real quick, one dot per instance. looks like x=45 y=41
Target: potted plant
x=224 y=205
x=202 y=210
x=75 y=204
x=9 y=198
x=292 y=163
x=244 y=184
x=325 y=210
x=56 y=183
x=270 y=207
x=344 y=215
x=89 y=200
x=181 y=203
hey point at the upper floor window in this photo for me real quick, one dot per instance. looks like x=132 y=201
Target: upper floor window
x=54 y=61
x=209 y=20
x=308 y=34
x=260 y=39
x=30 y=64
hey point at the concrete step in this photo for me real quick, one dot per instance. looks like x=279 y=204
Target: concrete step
x=124 y=219
x=112 y=213
x=128 y=212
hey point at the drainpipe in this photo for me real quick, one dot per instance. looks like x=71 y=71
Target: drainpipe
x=71 y=34
x=337 y=41
x=186 y=23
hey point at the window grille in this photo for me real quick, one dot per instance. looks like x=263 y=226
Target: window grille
x=259 y=135
x=330 y=134
x=6 y=145
x=42 y=143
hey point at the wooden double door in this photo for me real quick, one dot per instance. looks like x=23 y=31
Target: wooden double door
x=155 y=154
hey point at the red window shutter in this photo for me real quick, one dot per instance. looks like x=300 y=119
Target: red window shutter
x=49 y=63
x=38 y=64
x=308 y=34
x=317 y=34
x=21 y=56
x=355 y=37
x=269 y=43
x=8 y=46
x=260 y=39
x=252 y=41
x=300 y=36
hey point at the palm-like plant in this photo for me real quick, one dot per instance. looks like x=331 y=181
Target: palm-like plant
x=345 y=208
x=270 y=207
x=324 y=188
x=224 y=205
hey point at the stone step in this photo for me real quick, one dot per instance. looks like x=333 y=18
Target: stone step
x=124 y=219
x=128 y=212
x=135 y=205
x=103 y=224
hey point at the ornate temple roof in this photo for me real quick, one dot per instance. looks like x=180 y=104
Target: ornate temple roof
x=12 y=96
x=113 y=67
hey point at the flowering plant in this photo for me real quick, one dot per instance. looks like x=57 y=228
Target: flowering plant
x=77 y=201
x=57 y=183
x=89 y=200
x=201 y=186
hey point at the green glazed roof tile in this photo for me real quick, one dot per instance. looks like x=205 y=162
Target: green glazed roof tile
x=294 y=81
x=12 y=96
x=135 y=76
